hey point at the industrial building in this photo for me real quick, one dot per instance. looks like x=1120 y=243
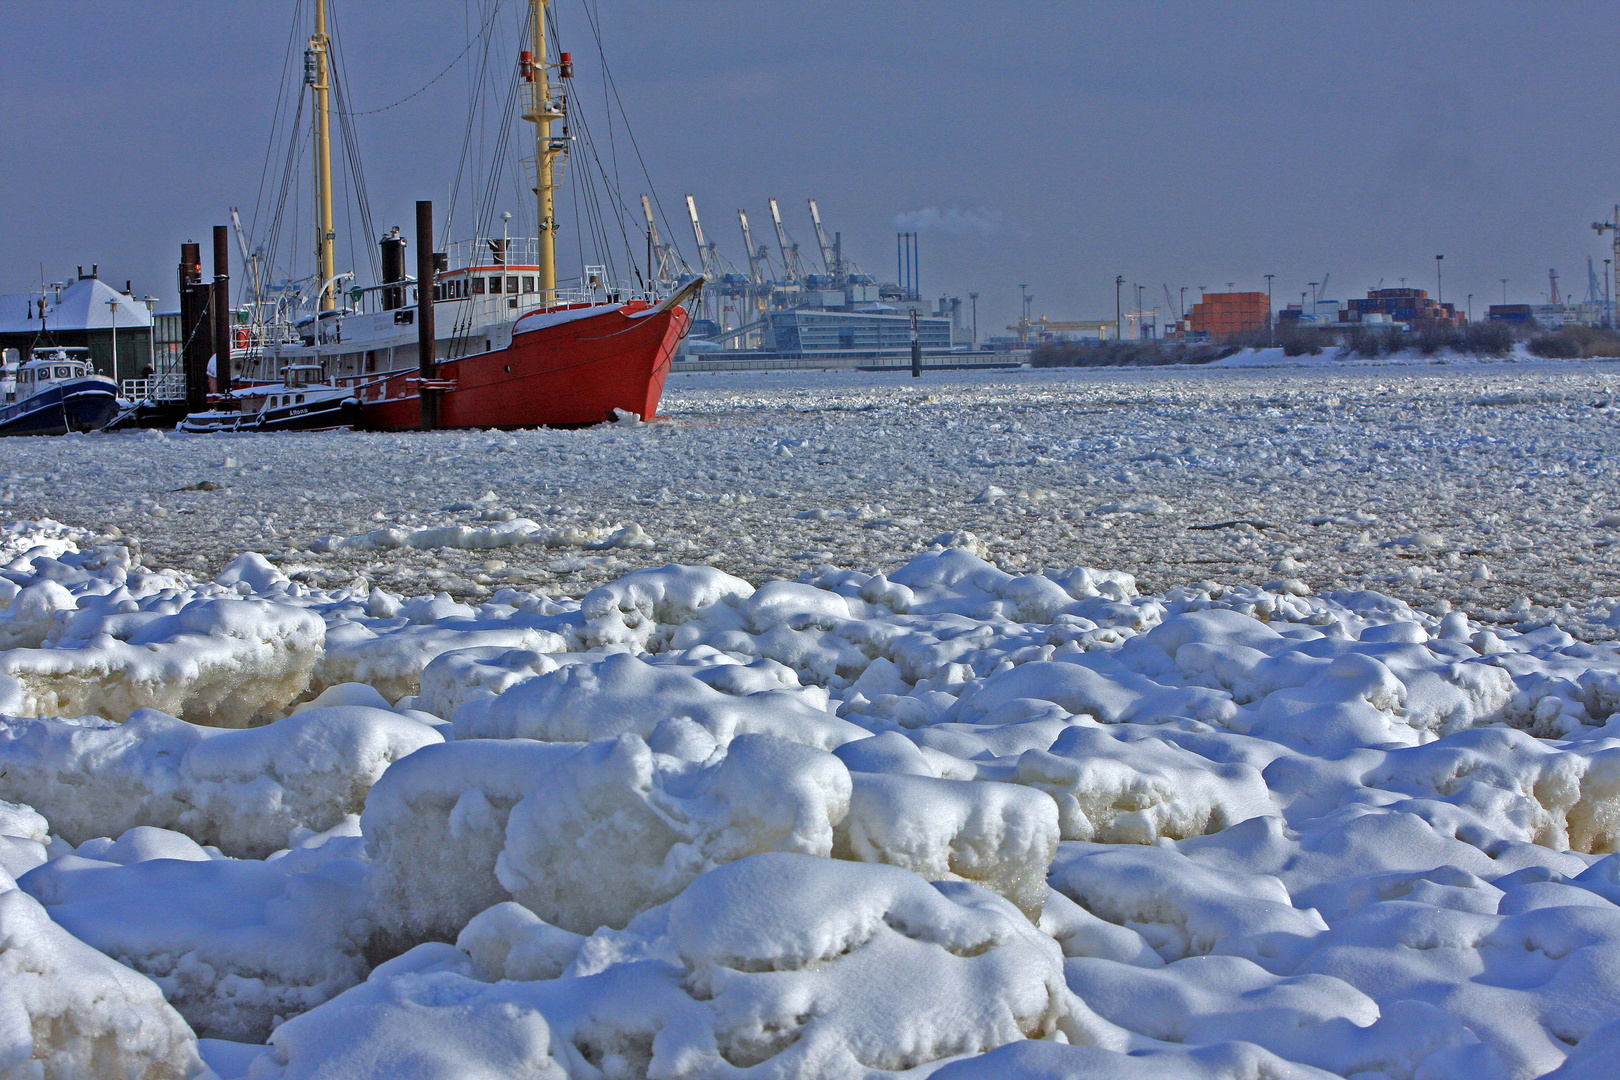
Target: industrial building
x=820 y=309
x=84 y=313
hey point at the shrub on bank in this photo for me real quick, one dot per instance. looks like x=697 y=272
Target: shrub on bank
x=1126 y=353
x=1576 y=342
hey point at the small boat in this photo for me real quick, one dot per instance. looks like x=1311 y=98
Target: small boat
x=303 y=401
x=57 y=391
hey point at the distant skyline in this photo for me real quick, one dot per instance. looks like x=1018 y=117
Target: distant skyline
x=1050 y=143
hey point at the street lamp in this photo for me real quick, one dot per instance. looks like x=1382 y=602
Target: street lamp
x=1119 y=321
x=1608 y=300
x=1504 y=291
x=1271 y=325
x=112 y=307
x=1439 y=283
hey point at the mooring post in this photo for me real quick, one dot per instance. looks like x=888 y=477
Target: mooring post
x=427 y=364
x=222 y=309
x=194 y=324
x=916 y=348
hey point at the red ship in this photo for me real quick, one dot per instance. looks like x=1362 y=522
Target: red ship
x=564 y=367
x=484 y=335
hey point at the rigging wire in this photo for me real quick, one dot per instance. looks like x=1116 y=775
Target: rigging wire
x=427 y=85
x=351 y=152
x=270 y=146
x=607 y=76
x=474 y=105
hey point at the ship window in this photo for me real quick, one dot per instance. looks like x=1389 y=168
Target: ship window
x=62 y=373
x=495 y=284
x=528 y=284
x=300 y=399
x=478 y=285
x=371 y=361
x=511 y=284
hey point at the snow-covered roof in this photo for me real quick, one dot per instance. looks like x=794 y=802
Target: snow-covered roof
x=82 y=305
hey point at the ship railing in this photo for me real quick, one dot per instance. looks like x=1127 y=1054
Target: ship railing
x=494 y=251
x=491 y=310
x=166 y=387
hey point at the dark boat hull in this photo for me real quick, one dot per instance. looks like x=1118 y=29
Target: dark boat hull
x=568 y=374
x=314 y=416
x=77 y=405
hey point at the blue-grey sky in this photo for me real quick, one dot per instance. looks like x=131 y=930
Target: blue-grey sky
x=1052 y=143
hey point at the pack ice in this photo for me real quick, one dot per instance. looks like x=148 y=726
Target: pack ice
x=948 y=822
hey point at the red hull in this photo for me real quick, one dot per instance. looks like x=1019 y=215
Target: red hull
x=568 y=374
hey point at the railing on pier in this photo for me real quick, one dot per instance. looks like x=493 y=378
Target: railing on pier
x=166 y=387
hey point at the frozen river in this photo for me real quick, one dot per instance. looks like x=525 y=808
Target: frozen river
x=1491 y=487
x=909 y=814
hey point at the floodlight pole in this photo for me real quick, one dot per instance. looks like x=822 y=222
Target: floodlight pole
x=1119 y=321
x=1271 y=323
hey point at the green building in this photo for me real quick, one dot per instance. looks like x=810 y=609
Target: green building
x=86 y=313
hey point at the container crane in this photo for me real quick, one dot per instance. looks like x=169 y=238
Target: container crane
x=1610 y=226
x=668 y=263
x=706 y=251
x=792 y=265
x=759 y=267
x=829 y=255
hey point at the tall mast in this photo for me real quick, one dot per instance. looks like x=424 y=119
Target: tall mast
x=542 y=111
x=317 y=73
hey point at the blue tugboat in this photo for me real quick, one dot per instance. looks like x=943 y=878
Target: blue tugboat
x=56 y=392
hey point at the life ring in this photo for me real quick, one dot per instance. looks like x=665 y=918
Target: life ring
x=239 y=337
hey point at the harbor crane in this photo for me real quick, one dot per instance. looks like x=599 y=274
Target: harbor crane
x=706 y=251
x=830 y=257
x=1610 y=226
x=792 y=265
x=759 y=267
x=669 y=265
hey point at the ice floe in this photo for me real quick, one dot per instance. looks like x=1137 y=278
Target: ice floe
x=954 y=819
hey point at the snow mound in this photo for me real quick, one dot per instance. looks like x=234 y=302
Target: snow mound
x=583 y=835
x=1001 y=836
x=68 y=1011
x=769 y=966
x=227 y=663
x=623 y=694
x=233 y=944
x=242 y=791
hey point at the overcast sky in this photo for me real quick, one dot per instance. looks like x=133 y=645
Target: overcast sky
x=1058 y=144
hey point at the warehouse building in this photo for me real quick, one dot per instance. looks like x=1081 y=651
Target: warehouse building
x=86 y=313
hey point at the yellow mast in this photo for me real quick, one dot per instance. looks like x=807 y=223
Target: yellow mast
x=317 y=73
x=542 y=111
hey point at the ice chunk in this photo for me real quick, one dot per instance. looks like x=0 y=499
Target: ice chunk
x=1001 y=836
x=623 y=694
x=67 y=1011
x=460 y=675
x=225 y=663
x=242 y=791
x=791 y=949
x=233 y=944
x=509 y=941
x=1116 y=790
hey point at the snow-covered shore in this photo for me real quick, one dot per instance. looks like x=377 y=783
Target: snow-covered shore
x=948 y=821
